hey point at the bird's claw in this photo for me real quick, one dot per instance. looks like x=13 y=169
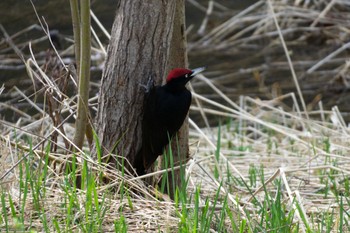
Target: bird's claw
x=149 y=85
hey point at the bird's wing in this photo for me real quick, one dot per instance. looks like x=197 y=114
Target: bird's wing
x=146 y=157
x=153 y=129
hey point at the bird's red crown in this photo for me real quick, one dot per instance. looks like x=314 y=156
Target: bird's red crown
x=177 y=72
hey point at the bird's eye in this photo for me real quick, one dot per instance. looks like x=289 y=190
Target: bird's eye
x=186 y=75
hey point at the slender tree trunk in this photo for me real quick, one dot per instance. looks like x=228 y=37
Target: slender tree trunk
x=84 y=75
x=138 y=50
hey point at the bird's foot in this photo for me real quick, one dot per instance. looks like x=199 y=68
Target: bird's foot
x=149 y=85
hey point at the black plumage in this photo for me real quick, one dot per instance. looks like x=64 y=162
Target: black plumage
x=165 y=110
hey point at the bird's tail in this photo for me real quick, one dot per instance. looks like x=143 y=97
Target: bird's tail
x=139 y=164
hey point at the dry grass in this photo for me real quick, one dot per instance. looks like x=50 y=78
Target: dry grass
x=316 y=34
x=305 y=147
x=302 y=153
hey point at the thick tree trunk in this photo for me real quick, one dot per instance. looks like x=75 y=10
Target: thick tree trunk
x=138 y=50
x=178 y=58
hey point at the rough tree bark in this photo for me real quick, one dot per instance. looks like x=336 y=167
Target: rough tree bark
x=138 y=49
x=178 y=58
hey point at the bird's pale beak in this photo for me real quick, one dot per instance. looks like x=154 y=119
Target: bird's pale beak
x=197 y=71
